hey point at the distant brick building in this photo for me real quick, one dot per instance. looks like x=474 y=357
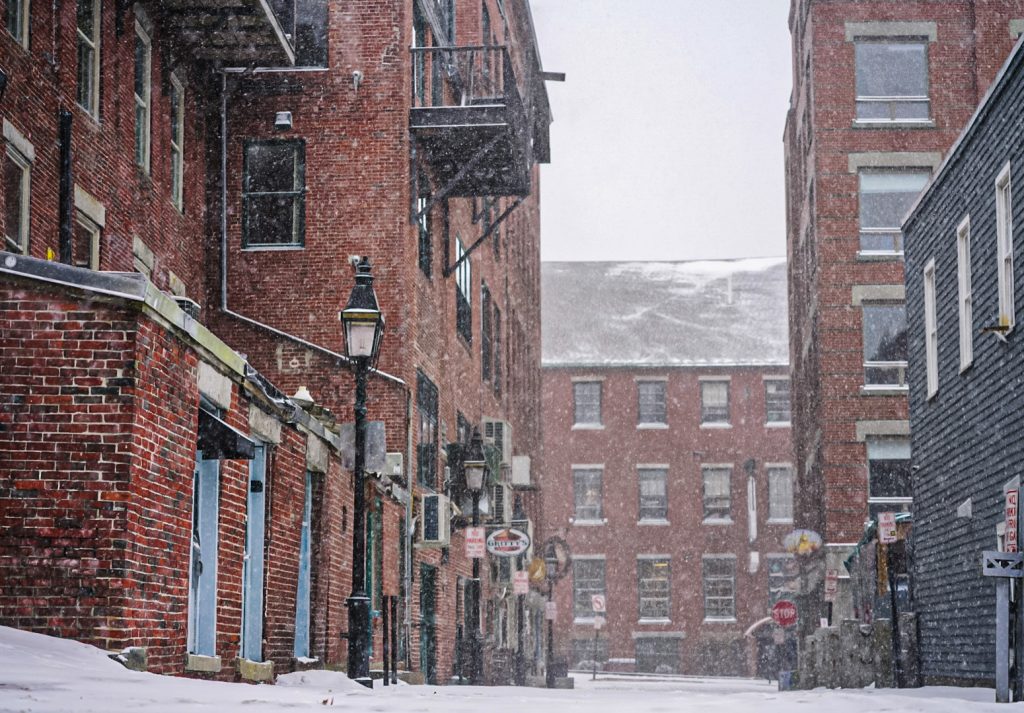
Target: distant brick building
x=880 y=91
x=668 y=461
x=238 y=172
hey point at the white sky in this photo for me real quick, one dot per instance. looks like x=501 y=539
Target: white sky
x=667 y=140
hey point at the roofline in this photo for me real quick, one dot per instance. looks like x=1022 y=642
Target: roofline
x=635 y=365
x=781 y=258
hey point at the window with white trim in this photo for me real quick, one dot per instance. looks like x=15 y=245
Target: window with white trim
x=885 y=196
x=714 y=402
x=889 y=474
x=719 y=579
x=931 y=334
x=587 y=580
x=143 y=97
x=654 y=587
x=891 y=80
x=783 y=577
x=776 y=401
x=653 y=493
x=780 y=493
x=85 y=245
x=177 y=119
x=17 y=177
x=717 y=492
x=1004 y=245
x=586 y=486
x=463 y=292
x=965 y=301
x=87 y=90
x=651 y=408
x=17 y=20
x=586 y=398
x=885 y=345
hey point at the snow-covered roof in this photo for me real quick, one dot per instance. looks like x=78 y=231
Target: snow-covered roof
x=695 y=313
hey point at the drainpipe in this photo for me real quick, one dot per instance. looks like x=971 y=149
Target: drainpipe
x=65 y=189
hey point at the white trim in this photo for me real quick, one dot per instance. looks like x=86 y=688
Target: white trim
x=767 y=465
x=895 y=427
x=587 y=427
x=655 y=635
x=871 y=30
x=587 y=466
x=716 y=424
x=653 y=556
x=18 y=141
x=650 y=620
x=730 y=466
x=724 y=377
x=931 y=333
x=177 y=143
x=653 y=522
x=90 y=206
x=717 y=521
x=585 y=379
x=587 y=523
x=652 y=466
x=590 y=557
x=23 y=160
x=144 y=102
x=1004 y=246
x=717 y=556
x=775 y=377
x=655 y=426
x=965 y=300
x=639 y=379
x=860 y=294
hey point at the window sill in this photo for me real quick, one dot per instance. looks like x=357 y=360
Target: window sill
x=779 y=521
x=652 y=426
x=654 y=620
x=716 y=424
x=202 y=664
x=583 y=620
x=884 y=390
x=272 y=248
x=719 y=620
x=869 y=256
x=717 y=521
x=888 y=124
x=778 y=424
x=588 y=427
x=588 y=523
x=652 y=522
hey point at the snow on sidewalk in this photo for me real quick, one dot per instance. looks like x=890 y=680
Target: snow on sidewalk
x=40 y=674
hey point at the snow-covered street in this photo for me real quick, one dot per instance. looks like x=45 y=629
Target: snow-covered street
x=38 y=673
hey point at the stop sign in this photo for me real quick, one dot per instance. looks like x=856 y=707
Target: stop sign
x=784 y=613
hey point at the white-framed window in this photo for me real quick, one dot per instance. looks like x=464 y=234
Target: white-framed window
x=965 y=301
x=651 y=407
x=891 y=80
x=90 y=220
x=17 y=20
x=885 y=196
x=653 y=492
x=719 y=579
x=17 y=187
x=654 y=586
x=586 y=487
x=777 y=408
x=88 y=45
x=143 y=97
x=931 y=332
x=889 y=474
x=885 y=345
x=177 y=119
x=463 y=292
x=780 y=493
x=586 y=400
x=1004 y=245
x=587 y=580
x=717 y=492
x=714 y=402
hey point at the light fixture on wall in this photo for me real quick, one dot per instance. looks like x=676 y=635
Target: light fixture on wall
x=283 y=120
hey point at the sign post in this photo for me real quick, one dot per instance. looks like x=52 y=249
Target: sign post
x=1010 y=515
x=597 y=603
x=475 y=539
x=1005 y=566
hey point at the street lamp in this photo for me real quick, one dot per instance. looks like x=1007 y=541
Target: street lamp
x=474 y=466
x=364 y=326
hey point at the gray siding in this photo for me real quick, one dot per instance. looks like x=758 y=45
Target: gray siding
x=969 y=439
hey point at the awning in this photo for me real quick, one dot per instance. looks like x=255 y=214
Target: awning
x=217 y=440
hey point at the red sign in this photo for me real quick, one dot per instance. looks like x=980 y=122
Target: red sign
x=1010 y=533
x=784 y=613
x=476 y=547
x=521 y=582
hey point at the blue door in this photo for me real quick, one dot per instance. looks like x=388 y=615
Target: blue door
x=303 y=590
x=202 y=582
x=252 y=570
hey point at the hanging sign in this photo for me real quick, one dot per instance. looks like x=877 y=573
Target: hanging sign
x=508 y=542
x=887 y=527
x=475 y=543
x=550 y=611
x=537 y=570
x=521 y=582
x=598 y=623
x=1010 y=532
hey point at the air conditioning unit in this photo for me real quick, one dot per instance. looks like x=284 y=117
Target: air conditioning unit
x=520 y=471
x=394 y=467
x=435 y=520
x=501 y=503
x=499 y=434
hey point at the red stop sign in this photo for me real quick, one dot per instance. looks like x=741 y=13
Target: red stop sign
x=784 y=613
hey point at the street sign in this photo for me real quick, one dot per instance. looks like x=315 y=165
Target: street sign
x=784 y=613
x=831 y=584
x=597 y=603
x=887 y=527
x=475 y=547
x=1010 y=532
x=550 y=611
x=521 y=582
x=598 y=622
x=508 y=542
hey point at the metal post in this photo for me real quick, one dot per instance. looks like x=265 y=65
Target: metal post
x=394 y=639
x=520 y=644
x=1002 y=640
x=475 y=663
x=387 y=624
x=549 y=672
x=358 y=602
x=594 y=676
x=894 y=616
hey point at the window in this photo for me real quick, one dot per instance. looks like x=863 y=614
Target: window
x=885 y=346
x=889 y=484
x=885 y=197
x=651 y=402
x=719 y=575
x=931 y=335
x=780 y=494
x=1004 y=244
x=717 y=494
x=143 y=97
x=177 y=117
x=586 y=485
x=586 y=403
x=85 y=246
x=17 y=182
x=485 y=332
x=653 y=493
x=783 y=577
x=311 y=33
x=497 y=352
x=965 y=302
x=656 y=654
x=654 y=586
x=17 y=20
x=273 y=194
x=776 y=401
x=426 y=246
x=587 y=580
x=426 y=453
x=586 y=651
x=463 y=290
x=892 y=81
x=88 y=39
x=202 y=579
x=304 y=585
x=714 y=402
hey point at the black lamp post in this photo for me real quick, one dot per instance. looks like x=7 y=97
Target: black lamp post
x=364 y=326
x=474 y=466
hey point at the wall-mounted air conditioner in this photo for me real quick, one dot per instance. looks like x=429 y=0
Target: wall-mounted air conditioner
x=435 y=520
x=498 y=433
x=520 y=471
x=501 y=503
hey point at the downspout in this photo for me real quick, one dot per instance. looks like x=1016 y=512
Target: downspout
x=407 y=535
x=64 y=189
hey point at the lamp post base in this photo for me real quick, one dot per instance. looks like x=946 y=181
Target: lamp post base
x=359 y=638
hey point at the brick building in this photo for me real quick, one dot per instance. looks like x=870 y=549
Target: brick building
x=880 y=91
x=668 y=464
x=239 y=172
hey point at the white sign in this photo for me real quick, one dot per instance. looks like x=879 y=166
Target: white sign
x=550 y=611
x=886 y=527
x=598 y=622
x=1010 y=533
x=521 y=582
x=508 y=542
x=476 y=543
x=831 y=584
x=597 y=603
